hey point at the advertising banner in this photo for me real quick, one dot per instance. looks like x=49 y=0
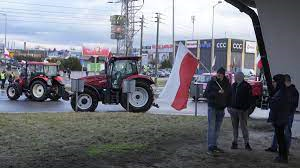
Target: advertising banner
x=95 y=67
x=96 y=52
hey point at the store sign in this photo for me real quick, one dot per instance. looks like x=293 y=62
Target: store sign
x=192 y=44
x=221 y=44
x=237 y=46
x=251 y=47
x=205 y=44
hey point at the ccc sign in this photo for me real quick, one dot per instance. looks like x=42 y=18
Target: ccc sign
x=237 y=46
x=221 y=45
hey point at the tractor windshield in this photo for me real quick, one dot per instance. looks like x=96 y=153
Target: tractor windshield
x=121 y=69
x=50 y=70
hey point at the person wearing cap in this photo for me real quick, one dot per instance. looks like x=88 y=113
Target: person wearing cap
x=278 y=116
x=217 y=93
x=241 y=101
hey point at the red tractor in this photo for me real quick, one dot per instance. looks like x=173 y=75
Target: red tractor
x=107 y=87
x=38 y=81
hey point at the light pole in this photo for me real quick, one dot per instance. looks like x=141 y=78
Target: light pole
x=173 y=32
x=5 y=29
x=212 y=36
x=193 y=22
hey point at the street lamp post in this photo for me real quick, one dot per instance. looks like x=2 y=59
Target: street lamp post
x=212 y=36
x=5 y=29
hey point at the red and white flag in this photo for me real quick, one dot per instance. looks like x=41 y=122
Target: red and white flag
x=259 y=62
x=176 y=91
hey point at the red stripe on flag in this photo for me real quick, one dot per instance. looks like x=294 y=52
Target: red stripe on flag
x=187 y=70
x=259 y=64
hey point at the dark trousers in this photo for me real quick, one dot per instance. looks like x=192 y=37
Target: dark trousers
x=279 y=130
x=239 y=117
x=3 y=83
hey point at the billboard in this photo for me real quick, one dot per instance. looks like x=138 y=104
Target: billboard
x=117 y=20
x=96 y=52
x=117 y=27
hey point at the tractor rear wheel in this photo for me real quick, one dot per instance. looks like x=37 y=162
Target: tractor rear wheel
x=39 y=91
x=141 y=100
x=87 y=101
x=13 y=92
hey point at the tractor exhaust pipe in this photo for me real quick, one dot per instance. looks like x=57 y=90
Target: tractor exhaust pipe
x=260 y=40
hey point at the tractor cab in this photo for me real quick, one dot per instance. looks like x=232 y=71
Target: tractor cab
x=40 y=68
x=122 y=68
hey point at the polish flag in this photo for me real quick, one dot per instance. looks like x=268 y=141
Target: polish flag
x=176 y=91
x=259 y=62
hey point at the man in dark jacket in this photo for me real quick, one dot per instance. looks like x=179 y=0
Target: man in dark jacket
x=241 y=101
x=217 y=93
x=279 y=113
x=293 y=99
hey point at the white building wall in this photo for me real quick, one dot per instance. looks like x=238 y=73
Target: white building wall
x=280 y=21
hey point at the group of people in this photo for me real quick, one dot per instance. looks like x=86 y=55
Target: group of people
x=238 y=100
x=6 y=76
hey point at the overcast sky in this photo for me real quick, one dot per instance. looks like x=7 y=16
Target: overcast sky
x=65 y=23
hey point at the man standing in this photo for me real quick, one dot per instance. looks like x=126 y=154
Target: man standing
x=217 y=93
x=278 y=116
x=69 y=73
x=3 y=78
x=241 y=101
x=293 y=99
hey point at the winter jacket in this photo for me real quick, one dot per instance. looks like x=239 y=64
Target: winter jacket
x=293 y=98
x=279 y=108
x=241 y=96
x=214 y=98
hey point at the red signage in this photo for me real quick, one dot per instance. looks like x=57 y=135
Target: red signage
x=162 y=46
x=96 y=52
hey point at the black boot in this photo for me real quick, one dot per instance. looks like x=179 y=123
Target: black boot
x=248 y=147
x=234 y=145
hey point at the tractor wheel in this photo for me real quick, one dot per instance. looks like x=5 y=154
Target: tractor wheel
x=141 y=100
x=13 y=92
x=87 y=101
x=39 y=91
x=54 y=94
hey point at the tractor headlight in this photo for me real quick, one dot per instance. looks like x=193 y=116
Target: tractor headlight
x=49 y=82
